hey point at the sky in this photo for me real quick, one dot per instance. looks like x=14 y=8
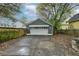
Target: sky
x=29 y=10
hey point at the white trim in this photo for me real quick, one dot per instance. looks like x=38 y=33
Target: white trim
x=38 y=25
x=38 y=34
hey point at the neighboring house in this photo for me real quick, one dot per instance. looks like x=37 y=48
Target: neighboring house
x=18 y=24
x=5 y=22
x=40 y=27
x=74 y=22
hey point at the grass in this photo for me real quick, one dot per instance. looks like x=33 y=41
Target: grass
x=6 y=35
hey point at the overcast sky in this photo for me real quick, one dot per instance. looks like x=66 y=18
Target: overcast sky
x=29 y=11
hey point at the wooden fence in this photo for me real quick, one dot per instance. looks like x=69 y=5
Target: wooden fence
x=74 y=33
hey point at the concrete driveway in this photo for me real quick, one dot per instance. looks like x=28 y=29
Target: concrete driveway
x=24 y=46
x=34 y=46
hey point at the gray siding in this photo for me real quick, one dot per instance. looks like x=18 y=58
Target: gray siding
x=50 y=29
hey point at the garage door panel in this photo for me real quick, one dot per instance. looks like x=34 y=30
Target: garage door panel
x=39 y=31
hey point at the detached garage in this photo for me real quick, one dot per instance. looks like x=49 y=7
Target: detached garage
x=40 y=27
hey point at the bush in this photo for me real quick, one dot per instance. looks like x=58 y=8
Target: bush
x=6 y=35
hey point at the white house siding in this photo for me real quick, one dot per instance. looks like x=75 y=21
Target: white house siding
x=5 y=22
x=19 y=25
x=9 y=23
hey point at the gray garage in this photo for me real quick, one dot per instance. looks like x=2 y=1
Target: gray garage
x=40 y=27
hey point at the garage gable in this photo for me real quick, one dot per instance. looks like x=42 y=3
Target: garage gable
x=38 y=22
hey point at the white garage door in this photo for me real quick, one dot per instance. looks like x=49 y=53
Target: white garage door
x=39 y=31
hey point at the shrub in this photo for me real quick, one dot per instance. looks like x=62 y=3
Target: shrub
x=6 y=35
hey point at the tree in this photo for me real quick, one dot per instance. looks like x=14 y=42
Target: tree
x=55 y=13
x=24 y=20
x=9 y=9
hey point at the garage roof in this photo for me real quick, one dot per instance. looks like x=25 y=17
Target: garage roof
x=39 y=22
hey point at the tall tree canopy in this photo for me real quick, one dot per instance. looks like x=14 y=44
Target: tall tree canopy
x=9 y=10
x=24 y=20
x=55 y=13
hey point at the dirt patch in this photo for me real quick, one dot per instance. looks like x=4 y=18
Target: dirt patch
x=62 y=39
x=66 y=42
